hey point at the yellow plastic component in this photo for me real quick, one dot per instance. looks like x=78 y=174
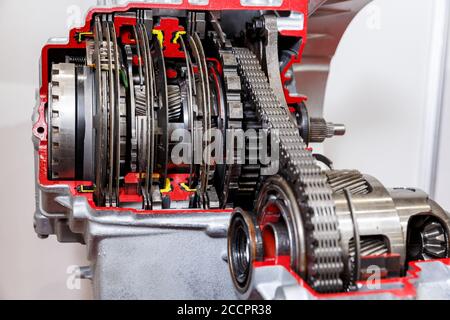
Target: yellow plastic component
x=167 y=188
x=178 y=34
x=186 y=187
x=159 y=35
x=154 y=176
x=83 y=189
x=81 y=34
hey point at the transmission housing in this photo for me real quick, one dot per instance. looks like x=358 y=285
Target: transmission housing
x=171 y=138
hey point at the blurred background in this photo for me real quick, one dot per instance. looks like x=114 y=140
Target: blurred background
x=387 y=84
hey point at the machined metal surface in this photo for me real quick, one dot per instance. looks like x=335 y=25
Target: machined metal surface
x=351 y=180
x=299 y=168
x=244 y=247
x=383 y=212
x=85 y=116
x=375 y=214
x=61 y=116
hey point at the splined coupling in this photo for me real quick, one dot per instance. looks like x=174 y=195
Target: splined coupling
x=319 y=130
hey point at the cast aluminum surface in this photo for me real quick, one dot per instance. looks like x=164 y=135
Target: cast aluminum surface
x=125 y=249
x=327 y=22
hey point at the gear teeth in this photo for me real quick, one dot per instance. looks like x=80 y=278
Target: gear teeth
x=434 y=241
x=298 y=166
x=61 y=121
x=235 y=114
x=352 y=180
x=174 y=103
x=370 y=246
x=318 y=130
x=140 y=100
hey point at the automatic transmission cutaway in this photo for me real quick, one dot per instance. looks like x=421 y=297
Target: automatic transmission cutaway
x=172 y=140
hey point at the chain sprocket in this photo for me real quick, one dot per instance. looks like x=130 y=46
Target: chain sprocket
x=299 y=168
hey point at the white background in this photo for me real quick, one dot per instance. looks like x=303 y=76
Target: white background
x=384 y=85
x=381 y=87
